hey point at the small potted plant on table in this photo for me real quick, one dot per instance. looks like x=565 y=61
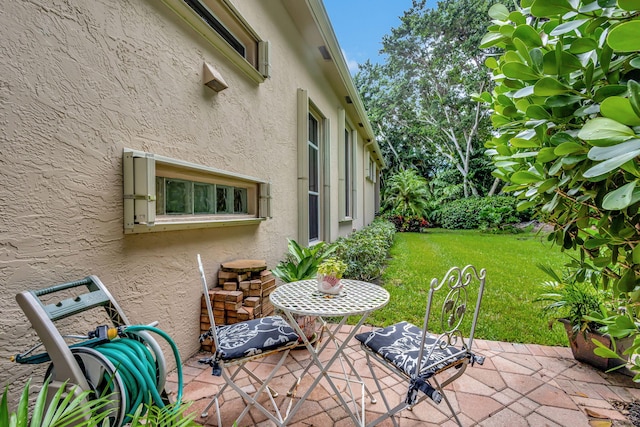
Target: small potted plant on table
x=329 y=274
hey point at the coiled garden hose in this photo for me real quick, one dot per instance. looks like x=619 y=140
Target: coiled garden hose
x=137 y=368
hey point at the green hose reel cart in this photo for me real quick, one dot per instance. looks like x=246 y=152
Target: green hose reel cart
x=120 y=359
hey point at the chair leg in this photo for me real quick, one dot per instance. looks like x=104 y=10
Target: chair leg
x=252 y=401
x=446 y=399
x=205 y=411
x=389 y=413
x=252 y=375
x=249 y=400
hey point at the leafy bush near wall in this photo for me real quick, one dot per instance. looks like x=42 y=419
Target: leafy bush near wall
x=480 y=212
x=365 y=251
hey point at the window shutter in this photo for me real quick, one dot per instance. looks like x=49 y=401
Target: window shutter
x=139 y=181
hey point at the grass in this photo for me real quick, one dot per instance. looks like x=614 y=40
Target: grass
x=508 y=312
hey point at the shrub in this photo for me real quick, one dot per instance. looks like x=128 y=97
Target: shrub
x=365 y=250
x=485 y=213
x=412 y=224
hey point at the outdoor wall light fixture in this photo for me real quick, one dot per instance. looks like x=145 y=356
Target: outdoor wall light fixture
x=213 y=79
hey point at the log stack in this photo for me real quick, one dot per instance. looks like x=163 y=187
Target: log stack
x=242 y=294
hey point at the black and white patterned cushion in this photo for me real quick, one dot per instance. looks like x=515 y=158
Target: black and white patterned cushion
x=399 y=344
x=253 y=337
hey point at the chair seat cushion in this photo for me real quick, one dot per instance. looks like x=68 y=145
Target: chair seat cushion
x=399 y=344
x=253 y=337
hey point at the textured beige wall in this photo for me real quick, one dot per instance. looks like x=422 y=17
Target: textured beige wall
x=79 y=81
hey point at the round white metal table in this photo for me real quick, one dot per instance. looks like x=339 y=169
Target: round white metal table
x=357 y=298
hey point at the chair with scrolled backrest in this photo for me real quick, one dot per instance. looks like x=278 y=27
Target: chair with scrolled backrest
x=242 y=342
x=423 y=357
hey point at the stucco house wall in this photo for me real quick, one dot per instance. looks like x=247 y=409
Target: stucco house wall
x=82 y=81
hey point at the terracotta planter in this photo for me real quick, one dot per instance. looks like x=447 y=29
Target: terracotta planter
x=582 y=347
x=308 y=326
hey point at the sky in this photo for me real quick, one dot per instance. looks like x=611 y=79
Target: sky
x=360 y=25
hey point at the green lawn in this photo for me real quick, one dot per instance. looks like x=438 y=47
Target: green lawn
x=508 y=312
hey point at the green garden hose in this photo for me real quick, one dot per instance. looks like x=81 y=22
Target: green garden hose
x=137 y=367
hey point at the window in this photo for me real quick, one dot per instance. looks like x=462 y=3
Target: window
x=181 y=197
x=223 y=26
x=348 y=158
x=372 y=170
x=314 y=179
x=314 y=191
x=162 y=194
x=347 y=168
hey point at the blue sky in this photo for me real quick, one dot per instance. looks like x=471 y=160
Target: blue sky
x=360 y=25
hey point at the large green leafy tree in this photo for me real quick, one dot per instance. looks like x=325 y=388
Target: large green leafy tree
x=418 y=99
x=567 y=110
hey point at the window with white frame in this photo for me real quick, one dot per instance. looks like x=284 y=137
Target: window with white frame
x=314 y=173
x=314 y=178
x=162 y=194
x=372 y=170
x=184 y=197
x=224 y=27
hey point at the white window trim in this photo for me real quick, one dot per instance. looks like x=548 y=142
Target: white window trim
x=140 y=196
x=304 y=107
x=192 y=18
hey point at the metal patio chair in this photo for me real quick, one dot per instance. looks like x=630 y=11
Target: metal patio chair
x=424 y=357
x=239 y=343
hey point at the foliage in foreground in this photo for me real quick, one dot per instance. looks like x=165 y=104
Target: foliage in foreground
x=365 y=251
x=63 y=410
x=68 y=409
x=567 y=111
x=508 y=312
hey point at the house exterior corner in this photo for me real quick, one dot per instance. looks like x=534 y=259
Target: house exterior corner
x=137 y=134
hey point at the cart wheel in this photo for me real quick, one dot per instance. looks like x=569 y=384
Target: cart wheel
x=103 y=379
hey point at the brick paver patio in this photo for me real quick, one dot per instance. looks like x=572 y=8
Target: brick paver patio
x=519 y=385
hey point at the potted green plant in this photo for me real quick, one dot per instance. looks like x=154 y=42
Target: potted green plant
x=329 y=274
x=301 y=263
x=577 y=304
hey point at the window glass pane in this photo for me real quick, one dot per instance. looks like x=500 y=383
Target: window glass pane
x=223 y=199
x=178 y=197
x=314 y=184
x=347 y=173
x=240 y=200
x=314 y=217
x=313 y=130
x=159 y=195
x=203 y=198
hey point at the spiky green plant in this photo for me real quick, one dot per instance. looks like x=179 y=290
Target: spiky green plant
x=173 y=415
x=302 y=263
x=571 y=299
x=64 y=410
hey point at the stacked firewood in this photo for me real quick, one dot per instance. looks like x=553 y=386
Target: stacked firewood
x=242 y=294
